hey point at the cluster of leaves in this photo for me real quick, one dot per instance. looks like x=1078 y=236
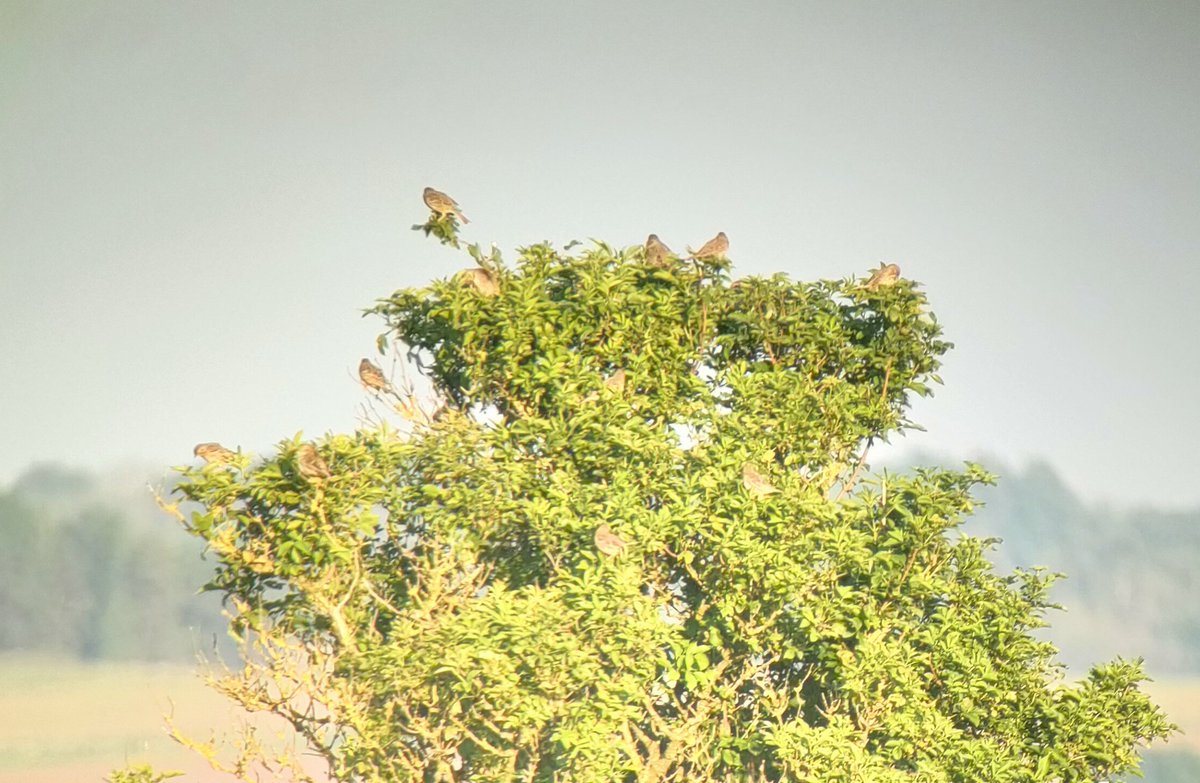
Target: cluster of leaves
x=444 y=228
x=140 y=773
x=437 y=609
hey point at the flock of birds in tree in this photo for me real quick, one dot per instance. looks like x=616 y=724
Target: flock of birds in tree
x=309 y=463
x=656 y=252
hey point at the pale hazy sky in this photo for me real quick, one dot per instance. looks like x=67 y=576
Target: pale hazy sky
x=197 y=199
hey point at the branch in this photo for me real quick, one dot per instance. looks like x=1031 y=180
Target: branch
x=848 y=487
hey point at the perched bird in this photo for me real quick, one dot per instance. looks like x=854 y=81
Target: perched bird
x=608 y=542
x=310 y=464
x=716 y=247
x=755 y=483
x=442 y=205
x=372 y=377
x=886 y=274
x=482 y=280
x=616 y=381
x=657 y=253
x=214 y=453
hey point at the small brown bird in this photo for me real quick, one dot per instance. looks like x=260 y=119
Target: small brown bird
x=755 y=483
x=372 y=377
x=616 y=381
x=657 y=254
x=716 y=247
x=886 y=274
x=483 y=281
x=608 y=542
x=214 y=453
x=310 y=464
x=443 y=205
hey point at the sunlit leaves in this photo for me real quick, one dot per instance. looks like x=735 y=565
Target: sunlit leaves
x=827 y=626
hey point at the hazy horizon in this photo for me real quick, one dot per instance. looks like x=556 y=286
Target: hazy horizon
x=196 y=202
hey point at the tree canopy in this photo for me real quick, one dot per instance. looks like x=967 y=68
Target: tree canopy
x=631 y=537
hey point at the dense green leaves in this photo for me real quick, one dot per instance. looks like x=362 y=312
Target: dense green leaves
x=445 y=583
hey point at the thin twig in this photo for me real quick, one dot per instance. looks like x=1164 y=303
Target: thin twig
x=848 y=487
x=386 y=604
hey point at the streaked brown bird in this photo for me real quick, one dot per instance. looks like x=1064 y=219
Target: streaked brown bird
x=372 y=377
x=214 y=453
x=657 y=253
x=755 y=483
x=310 y=464
x=886 y=274
x=716 y=247
x=616 y=381
x=482 y=280
x=443 y=205
x=608 y=542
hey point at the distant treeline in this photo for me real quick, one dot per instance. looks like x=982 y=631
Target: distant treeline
x=90 y=567
x=95 y=571
x=1131 y=576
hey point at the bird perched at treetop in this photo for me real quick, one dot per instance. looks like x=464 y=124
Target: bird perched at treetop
x=716 y=247
x=372 y=377
x=214 y=453
x=443 y=205
x=886 y=274
x=657 y=253
x=482 y=280
x=310 y=464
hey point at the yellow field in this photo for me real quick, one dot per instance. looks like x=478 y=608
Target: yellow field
x=1180 y=699
x=64 y=721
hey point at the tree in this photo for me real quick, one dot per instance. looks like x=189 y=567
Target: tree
x=438 y=607
x=81 y=575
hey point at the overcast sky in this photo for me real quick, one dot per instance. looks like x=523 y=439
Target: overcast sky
x=198 y=199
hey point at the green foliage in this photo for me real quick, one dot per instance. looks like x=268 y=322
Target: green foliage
x=437 y=609
x=1126 y=568
x=443 y=228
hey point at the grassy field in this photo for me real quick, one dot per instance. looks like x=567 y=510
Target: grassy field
x=64 y=721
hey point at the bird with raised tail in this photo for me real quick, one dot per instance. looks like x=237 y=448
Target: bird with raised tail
x=441 y=205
